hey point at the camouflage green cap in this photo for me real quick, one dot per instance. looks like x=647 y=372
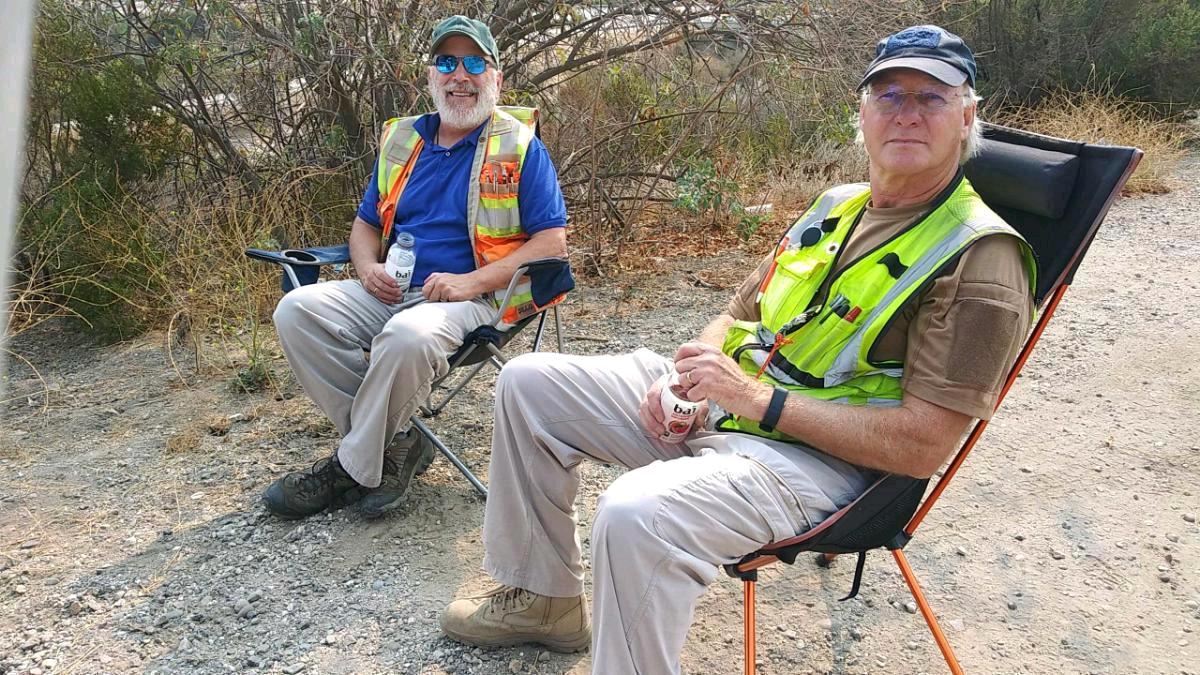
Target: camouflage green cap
x=461 y=25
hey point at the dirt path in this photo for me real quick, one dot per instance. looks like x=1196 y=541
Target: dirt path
x=132 y=539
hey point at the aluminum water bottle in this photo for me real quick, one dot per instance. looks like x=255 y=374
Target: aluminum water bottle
x=401 y=259
x=678 y=412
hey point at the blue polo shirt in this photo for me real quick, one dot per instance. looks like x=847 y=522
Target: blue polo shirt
x=433 y=207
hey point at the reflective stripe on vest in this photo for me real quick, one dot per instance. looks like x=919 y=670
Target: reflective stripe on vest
x=807 y=346
x=493 y=211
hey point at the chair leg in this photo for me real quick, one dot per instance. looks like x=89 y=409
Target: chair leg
x=749 y=633
x=458 y=464
x=558 y=330
x=938 y=636
x=537 y=336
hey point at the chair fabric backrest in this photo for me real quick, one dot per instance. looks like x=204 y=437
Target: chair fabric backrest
x=1053 y=191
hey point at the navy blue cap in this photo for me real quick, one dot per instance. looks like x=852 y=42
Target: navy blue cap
x=930 y=49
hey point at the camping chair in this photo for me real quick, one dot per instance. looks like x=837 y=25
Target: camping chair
x=549 y=281
x=1054 y=192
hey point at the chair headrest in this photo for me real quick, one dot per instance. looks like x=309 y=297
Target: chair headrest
x=1023 y=178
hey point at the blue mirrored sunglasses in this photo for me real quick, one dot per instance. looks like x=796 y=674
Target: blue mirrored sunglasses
x=448 y=63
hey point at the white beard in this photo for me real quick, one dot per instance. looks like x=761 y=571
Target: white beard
x=487 y=97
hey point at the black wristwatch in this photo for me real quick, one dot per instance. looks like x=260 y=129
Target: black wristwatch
x=774 y=410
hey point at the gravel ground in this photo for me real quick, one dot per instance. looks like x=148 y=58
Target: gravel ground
x=132 y=537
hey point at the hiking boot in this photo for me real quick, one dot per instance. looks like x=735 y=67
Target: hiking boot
x=507 y=615
x=304 y=493
x=409 y=456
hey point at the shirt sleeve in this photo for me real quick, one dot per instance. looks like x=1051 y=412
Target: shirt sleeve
x=541 y=200
x=968 y=329
x=743 y=306
x=368 y=209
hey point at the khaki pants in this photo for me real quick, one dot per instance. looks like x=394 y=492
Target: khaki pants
x=662 y=529
x=324 y=329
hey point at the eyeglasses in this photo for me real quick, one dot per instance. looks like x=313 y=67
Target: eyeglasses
x=890 y=101
x=448 y=63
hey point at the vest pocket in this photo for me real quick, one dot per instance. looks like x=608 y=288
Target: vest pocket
x=826 y=339
x=791 y=290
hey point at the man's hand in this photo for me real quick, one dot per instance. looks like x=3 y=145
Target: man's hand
x=447 y=287
x=651 y=413
x=707 y=373
x=380 y=284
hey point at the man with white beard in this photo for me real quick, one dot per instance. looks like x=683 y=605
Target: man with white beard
x=476 y=190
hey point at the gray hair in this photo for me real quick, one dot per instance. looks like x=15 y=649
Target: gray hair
x=971 y=145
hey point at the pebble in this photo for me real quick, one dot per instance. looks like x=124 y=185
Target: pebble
x=184 y=644
x=34 y=542
x=49 y=664
x=1187 y=518
x=377 y=584
x=293 y=669
x=1019 y=537
x=1012 y=604
x=910 y=607
x=1164 y=577
x=515 y=666
x=19 y=589
x=961 y=551
x=1173 y=538
x=254 y=597
x=1056 y=554
x=856 y=634
x=789 y=634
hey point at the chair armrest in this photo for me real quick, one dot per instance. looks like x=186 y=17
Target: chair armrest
x=302 y=266
x=314 y=256
x=548 y=278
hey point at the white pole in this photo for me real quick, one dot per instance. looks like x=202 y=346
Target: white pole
x=17 y=18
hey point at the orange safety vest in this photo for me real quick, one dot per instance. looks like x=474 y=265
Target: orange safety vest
x=493 y=214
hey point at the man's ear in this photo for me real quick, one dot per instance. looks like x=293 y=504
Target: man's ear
x=968 y=118
x=499 y=78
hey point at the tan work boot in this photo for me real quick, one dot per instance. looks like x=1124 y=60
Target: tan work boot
x=507 y=615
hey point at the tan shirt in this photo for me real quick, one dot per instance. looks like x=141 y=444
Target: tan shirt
x=960 y=337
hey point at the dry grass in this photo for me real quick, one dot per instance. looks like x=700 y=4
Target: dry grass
x=1105 y=118
x=182 y=268
x=187 y=440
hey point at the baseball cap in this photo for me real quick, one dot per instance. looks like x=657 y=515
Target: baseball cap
x=461 y=25
x=932 y=50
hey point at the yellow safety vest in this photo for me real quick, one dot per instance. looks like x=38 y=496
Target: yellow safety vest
x=822 y=348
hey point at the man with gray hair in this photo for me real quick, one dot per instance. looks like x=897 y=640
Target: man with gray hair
x=882 y=323
x=473 y=190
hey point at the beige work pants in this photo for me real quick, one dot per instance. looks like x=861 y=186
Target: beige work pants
x=662 y=529
x=324 y=329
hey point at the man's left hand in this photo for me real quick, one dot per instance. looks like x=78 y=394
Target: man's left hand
x=447 y=287
x=705 y=372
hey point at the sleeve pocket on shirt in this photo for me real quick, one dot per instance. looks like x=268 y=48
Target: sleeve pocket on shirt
x=982 y=344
